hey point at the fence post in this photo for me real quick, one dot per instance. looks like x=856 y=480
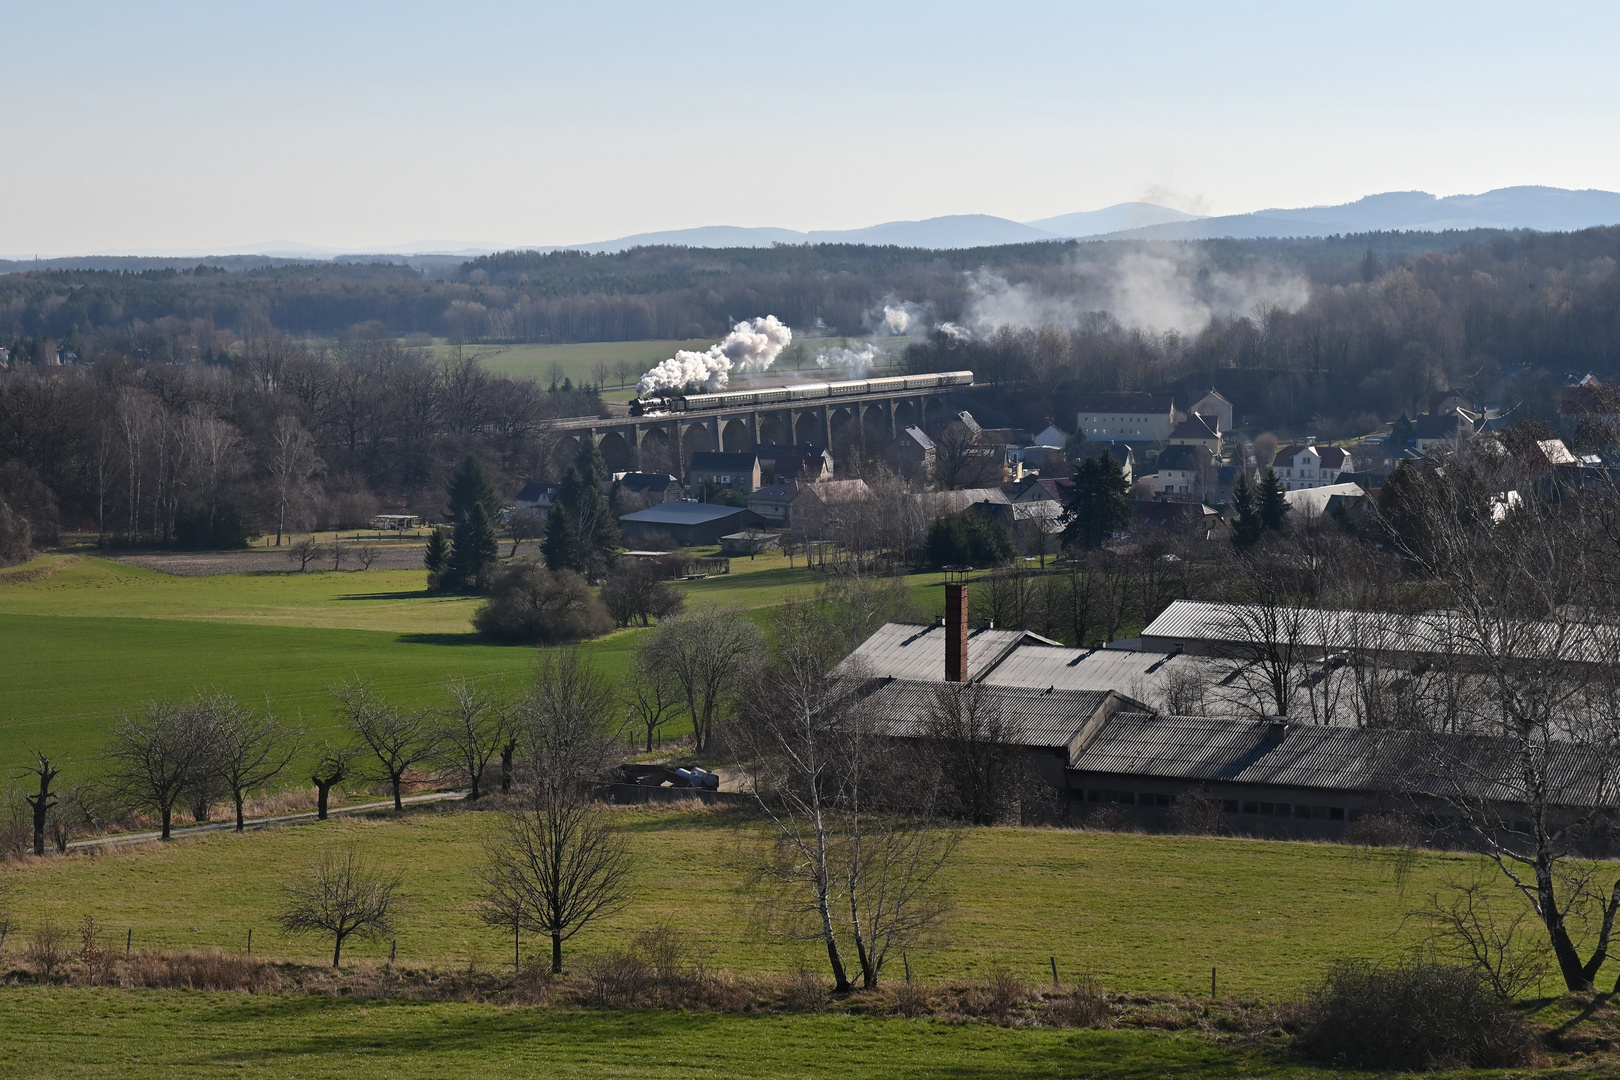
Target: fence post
x=1211 y=982
x=904 y=959
x=1055 y=985
x=250 y=941
x=393 y=950
x=129 y=939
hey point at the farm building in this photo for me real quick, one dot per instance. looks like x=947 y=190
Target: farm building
x=691 y=524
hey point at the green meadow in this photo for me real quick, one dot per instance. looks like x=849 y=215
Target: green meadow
x=1143 y=913
x=66 y=1033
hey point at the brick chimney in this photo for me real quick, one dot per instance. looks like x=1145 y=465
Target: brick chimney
x=956 y=632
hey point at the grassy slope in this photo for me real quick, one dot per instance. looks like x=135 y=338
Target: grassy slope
x=94 y=1033
x=1150 y=913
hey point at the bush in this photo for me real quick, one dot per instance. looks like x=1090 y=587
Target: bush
x=1084 y=1006
x=636 y=591
x=530 y=604
x=1412 y=1015
x=16 y=537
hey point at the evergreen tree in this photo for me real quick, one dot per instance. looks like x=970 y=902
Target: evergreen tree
x=560 y=548
x=470 y=485
x=581 y=533
x=474 y=551
x=1246 y=517
x=1096 y=508
x=436 y=558
x=1272 y=501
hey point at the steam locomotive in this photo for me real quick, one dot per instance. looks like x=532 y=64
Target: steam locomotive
x=731 y=399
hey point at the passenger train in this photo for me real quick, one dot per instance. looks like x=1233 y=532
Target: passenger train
x=795 y=392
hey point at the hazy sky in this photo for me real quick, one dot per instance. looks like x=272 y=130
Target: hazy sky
x=219 y=126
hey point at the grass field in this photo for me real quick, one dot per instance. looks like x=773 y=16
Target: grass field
x=63 y=1033
x=1145 y=913
x=577 y=362
x=84 y=638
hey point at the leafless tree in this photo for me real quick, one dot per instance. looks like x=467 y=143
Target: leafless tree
x=251 y=749
x=974 y=745
x=341 y=895
x=557 y=866
x=1467 y=926
x=305 y=552
x=334 y=766
x=366 y=554
x=45 y=771
x=293 y=467
x=471 y=731
x=157 y=757
x=564 y=719
x=709 y=652
x=525 y=524
x=398 y=740
x=849 y=857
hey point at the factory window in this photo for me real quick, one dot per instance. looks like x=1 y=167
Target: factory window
x=1282 y=809
x=1148 y=798
x=1251 y=808
x=1266 y=809
x=1336 y=813
x=1229 y=806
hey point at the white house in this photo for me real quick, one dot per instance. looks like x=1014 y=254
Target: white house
x=1300 y=467
x=1132 y=417
x=1214 y=405
x=1185 y=471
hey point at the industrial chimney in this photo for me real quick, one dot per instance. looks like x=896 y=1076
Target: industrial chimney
x=956 y=632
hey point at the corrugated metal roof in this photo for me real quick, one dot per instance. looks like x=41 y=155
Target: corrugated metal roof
x=1138 y=674
x=1038 y=718
x=683 y=513
x=908 y=651
x=1330 y=758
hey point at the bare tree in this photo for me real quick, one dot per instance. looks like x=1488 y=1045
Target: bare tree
x=850 y=858
x=556 y=866
x=366 y=554
x=472 y=731
x=399 y=740
x=160 y=755
x=343 y=896
x=651 y=696
x=293 y=468
x=46 y=772
x=305 y=552
x=525 y=524
x=564 y=722
x=333 y=767
x=1466 y=927
x=974 y=743
x=709 y=652
x=251 y=749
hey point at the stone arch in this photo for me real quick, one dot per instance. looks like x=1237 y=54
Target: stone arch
x=655 y=455
x=807 y=429
x=735 y=436
x=616 y=452
x=937 y=412
x=562 y=455
x=905 y=415
x=772 y=429
x=875 y=425
x=694 y=439
x=840 y=420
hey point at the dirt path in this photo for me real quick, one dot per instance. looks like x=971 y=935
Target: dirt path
x=263 y=822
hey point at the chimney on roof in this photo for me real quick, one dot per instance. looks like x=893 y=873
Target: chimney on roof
x=956 y=632
x=1276 y=728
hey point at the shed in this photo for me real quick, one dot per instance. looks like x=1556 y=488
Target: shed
x=691 y=524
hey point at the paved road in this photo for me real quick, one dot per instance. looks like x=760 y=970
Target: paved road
x=264 y=822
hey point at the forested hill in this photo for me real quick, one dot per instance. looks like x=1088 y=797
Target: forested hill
x=646 y=293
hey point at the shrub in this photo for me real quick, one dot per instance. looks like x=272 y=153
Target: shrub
x=998 y=998
x=47 y=949
x=1084 y=1006
x=969 y=539
x=636 y=591
x=616 y=978
x=1196 y=812
x=1412 y=1015
x=530 y=604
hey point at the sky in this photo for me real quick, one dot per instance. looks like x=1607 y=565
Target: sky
x=180 y=127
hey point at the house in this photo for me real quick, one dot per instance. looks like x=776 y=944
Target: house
x=1044 y=491
x=691 y=524
x=1316 y=501
x=1198 y=430
x=965 y=418
x=1132 y=417
x=750 y=542
x=802 y=461
x=653 y=488
x=1445 y=402
x=1184 y=472
x=1301 y=466
x=773 y=503
x=938 y=504
x=816 y=509
x=912 y=453
x=1218 y=408
x=739 y=472
x=1439 y=428
x=1119 y=450
x=537 y=496
x=1051 y=435
x=1226 y=478
x=1195 y=519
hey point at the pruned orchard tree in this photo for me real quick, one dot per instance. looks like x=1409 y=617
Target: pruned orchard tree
x=156 y=757
x=399 y=741
x=334 y=765
x=850 y=857
x=471 y=730
x=341 y=895
x=42 y=801
x=251 y=748
x=1527 y=567
x=710 y=653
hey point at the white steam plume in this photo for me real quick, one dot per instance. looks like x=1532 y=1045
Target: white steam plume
x=857 y=363
x=751 y=346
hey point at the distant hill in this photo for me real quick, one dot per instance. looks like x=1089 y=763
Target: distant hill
x=1130 y=215
x=1545 y=209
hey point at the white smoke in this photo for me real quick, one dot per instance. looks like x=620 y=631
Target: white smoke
x=1150 y=292
x=894 y=317
x=955 y=332
x=751 y=346
x=856 y=363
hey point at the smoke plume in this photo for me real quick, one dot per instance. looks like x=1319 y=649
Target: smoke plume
x=853 y=363
x=751 y=346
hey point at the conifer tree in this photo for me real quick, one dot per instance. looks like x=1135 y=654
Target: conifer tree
x=1246 y=524
x=474 y=551
x=470 y=485
x=1096 y=506
x=436 y=558
x=1272 y=500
